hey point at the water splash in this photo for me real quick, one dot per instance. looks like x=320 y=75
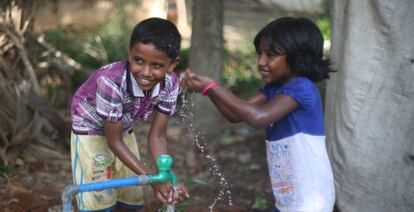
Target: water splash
x=171 y=207
x=187 y=120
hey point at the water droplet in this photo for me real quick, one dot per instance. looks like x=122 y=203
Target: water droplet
x=198 y=139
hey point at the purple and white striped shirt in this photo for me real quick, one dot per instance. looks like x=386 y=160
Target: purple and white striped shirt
x=111 y=93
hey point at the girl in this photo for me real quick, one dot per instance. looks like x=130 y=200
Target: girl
x=289 y=58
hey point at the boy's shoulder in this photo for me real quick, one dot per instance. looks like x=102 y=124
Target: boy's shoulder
x=170 y=83
x=171 y=79
x=114 y=65
x=113 y=70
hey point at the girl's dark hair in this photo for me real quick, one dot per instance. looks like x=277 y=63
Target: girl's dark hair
x=302 y=43
x=162 y=33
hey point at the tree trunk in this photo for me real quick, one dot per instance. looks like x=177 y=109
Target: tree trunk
x=206 y=57
x=370 y=105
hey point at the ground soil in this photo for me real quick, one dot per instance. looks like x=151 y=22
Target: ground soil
x=36 y=184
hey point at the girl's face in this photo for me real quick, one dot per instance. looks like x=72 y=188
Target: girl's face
x=149 y=65
x=272 y=67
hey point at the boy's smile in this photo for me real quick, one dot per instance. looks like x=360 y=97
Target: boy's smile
x=149 y=65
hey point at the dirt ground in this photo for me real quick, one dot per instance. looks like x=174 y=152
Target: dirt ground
x=36 y=184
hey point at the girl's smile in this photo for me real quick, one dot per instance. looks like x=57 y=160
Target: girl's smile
x=273 y=67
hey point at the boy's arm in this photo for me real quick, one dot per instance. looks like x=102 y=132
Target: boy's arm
x=157 y=142
x=113 y=134
x=157 y=139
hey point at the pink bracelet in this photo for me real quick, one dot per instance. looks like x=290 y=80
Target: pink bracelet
x=208 y=87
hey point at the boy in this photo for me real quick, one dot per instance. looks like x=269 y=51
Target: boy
x=104 y=108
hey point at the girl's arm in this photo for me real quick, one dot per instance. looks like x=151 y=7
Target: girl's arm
x=260 y=115
x=257 y=112
x=198 y=82
x=257 y=99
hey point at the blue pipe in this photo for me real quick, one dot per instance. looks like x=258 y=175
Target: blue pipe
x=72 y=190
x=164 y=163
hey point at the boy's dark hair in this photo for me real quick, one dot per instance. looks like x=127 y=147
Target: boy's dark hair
x=162 y=33
x=302 y=43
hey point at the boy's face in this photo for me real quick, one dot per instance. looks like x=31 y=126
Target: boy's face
x=272 y=67
x=149 y=65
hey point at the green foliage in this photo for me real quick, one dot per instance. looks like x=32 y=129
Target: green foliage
x=184 y=53
x=324 y=26
x=94 y=49
x=260 y=203
x=77 y=79
x=5 y=168
x=323 y=20
x=114 y=41
x=240 y=72
x=74 y=43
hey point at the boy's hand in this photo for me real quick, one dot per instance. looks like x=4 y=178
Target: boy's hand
x=163 y=192
x=195 y=82
x=182 y=193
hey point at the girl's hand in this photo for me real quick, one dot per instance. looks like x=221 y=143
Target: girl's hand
x=163 y=192
x=195 y=82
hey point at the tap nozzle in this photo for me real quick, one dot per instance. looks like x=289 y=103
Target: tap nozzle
x=164 y=163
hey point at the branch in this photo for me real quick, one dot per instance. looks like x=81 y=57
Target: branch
x=45 y=110
x=17 y=41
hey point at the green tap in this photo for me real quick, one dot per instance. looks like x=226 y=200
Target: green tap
x=164 y=163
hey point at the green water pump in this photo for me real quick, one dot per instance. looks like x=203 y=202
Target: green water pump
x=164 y=163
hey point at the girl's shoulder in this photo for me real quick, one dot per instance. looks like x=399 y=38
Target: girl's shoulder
x=299 y=84
x=301 y=89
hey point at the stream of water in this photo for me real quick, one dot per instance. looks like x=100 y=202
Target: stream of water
x=186 y=119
